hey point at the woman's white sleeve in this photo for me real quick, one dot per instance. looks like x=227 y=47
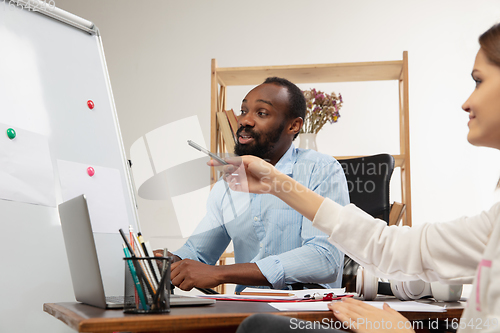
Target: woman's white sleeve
x=448 y=252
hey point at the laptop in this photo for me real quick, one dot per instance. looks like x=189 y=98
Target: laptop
x=84 y=263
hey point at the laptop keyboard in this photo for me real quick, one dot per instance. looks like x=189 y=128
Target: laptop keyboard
x=115 y=299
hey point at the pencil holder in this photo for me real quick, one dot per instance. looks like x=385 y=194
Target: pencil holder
x=147 y=285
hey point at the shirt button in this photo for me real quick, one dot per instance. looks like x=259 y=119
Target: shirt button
x=256 y=218
x=261 y=245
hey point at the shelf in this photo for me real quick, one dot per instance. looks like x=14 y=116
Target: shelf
x=319 y=73
x=322 y=73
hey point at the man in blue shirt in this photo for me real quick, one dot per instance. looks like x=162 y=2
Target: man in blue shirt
x=273 y=244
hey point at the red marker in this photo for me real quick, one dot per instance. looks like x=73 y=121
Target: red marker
x=90 y=171
x=90 y=104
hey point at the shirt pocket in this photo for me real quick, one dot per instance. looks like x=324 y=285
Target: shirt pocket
x=284 y=227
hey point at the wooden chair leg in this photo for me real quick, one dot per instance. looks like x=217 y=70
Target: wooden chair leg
x=221 y=288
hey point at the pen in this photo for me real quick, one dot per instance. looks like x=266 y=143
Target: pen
x=207 y=291
x=164 y=268
x=318 y=296
x=165 y=254
x=151 y=263
x=133 y=273
x=131 y=232
x=145 y=267
x=159 y=297
x=220 y=160
x=209 y=153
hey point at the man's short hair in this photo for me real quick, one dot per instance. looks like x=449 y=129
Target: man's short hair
x=296 y=99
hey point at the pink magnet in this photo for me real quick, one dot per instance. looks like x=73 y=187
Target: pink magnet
x=90 y=171
x=90 y=104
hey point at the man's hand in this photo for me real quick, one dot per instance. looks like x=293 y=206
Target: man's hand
x=187 y=274
x=365 y=318
x=159 y=253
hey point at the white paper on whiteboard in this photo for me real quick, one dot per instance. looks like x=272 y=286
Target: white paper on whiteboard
x=104 y=194
x=26 y=173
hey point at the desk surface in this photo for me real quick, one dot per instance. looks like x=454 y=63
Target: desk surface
x=224 y=316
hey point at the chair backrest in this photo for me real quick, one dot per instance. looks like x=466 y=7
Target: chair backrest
x=368 y=183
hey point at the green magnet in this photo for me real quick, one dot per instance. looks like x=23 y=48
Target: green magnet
x=11 y=133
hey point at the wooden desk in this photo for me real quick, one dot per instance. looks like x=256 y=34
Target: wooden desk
x=224 y=316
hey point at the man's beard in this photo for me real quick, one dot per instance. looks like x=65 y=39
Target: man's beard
x=263 y=143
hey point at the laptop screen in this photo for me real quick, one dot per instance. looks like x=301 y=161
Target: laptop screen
x=95 y=260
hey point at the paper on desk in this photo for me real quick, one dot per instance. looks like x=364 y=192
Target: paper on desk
x=26 y=173
x=296 y=293
x=104 y=193
x=301 y=306
x=409 y=306
x=323 y=306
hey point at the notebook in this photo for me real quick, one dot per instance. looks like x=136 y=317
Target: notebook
x=84 y=264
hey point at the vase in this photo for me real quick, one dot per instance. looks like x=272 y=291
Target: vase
x=308 y=141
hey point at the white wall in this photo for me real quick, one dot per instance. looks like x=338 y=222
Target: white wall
x=159 y=53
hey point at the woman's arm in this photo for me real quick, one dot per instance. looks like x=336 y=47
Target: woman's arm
x=448 y=252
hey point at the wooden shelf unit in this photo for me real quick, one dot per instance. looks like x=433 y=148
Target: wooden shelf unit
x=320 y=73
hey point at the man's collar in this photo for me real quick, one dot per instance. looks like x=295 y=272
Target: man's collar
x=286 y=162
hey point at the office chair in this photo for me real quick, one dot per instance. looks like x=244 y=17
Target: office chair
x=368 y=184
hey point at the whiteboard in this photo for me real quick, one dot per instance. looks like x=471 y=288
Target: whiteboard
x=49 y=70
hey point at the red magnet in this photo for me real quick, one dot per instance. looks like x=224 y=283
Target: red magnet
x=90 y=171
x=90 y=104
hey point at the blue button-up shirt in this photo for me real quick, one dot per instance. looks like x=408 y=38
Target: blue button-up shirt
x=266 y=231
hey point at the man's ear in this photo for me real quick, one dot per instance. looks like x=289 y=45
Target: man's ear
x=296 y=125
